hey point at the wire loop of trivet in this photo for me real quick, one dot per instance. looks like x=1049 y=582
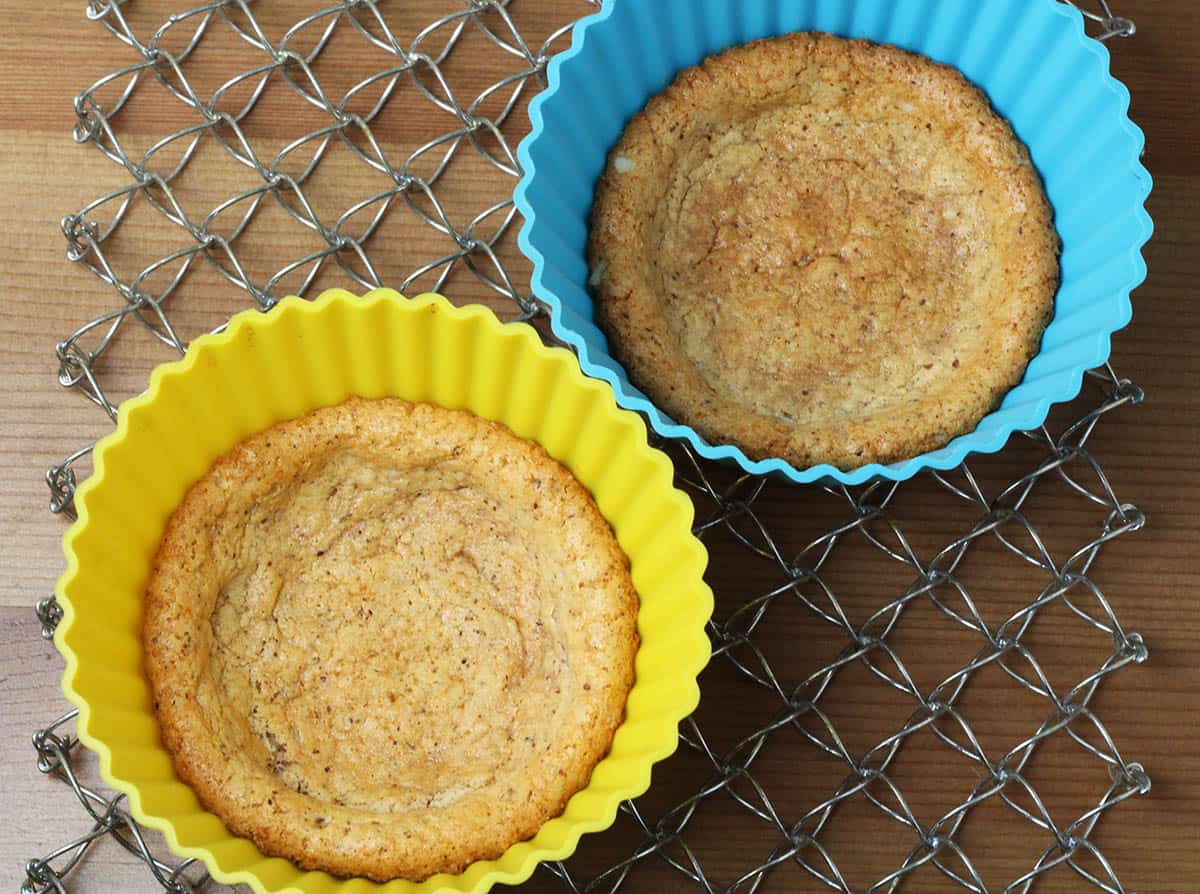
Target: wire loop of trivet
x=727 y=507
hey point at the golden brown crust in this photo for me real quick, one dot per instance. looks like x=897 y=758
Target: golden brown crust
x=825 y=250
x=388 y=639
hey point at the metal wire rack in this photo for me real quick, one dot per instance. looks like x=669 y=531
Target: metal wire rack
x=787 y=704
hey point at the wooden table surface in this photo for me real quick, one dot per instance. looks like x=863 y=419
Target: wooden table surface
x=1150 y=453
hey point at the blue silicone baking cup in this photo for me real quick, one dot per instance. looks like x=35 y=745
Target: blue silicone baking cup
x=1031 y=57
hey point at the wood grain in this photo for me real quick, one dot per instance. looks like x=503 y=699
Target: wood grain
x=1150 y=453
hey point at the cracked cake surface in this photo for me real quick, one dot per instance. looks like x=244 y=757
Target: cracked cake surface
x=824 y=250
x=388 y=639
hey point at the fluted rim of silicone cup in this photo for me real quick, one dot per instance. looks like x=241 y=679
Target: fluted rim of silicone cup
x=99 y=634
x=1049 y=379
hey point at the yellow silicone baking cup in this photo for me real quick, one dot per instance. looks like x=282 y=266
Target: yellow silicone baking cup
x=266 y=368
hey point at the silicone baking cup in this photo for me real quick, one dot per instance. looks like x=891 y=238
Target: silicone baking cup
x=1031 y=57
x=264 y=369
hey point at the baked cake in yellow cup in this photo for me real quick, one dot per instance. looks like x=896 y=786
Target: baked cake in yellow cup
x=362 y=571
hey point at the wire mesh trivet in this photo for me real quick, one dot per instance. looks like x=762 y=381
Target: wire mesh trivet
x=785 y=704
